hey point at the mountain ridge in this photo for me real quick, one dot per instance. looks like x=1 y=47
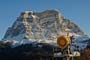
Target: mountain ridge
x=48 y=24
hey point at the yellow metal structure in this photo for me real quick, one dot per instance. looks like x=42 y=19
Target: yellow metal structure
x=63 y=42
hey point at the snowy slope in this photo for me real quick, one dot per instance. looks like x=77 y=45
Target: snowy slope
x=42 y=27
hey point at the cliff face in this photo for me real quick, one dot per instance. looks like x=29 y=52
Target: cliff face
x=47 y=25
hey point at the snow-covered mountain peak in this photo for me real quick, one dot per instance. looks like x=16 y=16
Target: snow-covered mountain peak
x=41 y=27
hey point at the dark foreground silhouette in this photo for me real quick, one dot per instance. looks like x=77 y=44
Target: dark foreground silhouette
x=30 y=52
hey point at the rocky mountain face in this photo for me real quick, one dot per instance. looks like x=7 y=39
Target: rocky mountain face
x=47 y=25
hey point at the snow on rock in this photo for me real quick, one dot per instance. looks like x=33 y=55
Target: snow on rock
x=42 y=27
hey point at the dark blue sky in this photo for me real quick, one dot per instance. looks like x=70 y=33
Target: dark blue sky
x=77 y=11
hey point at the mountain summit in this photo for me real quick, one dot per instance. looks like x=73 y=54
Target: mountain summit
x=43 y=26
